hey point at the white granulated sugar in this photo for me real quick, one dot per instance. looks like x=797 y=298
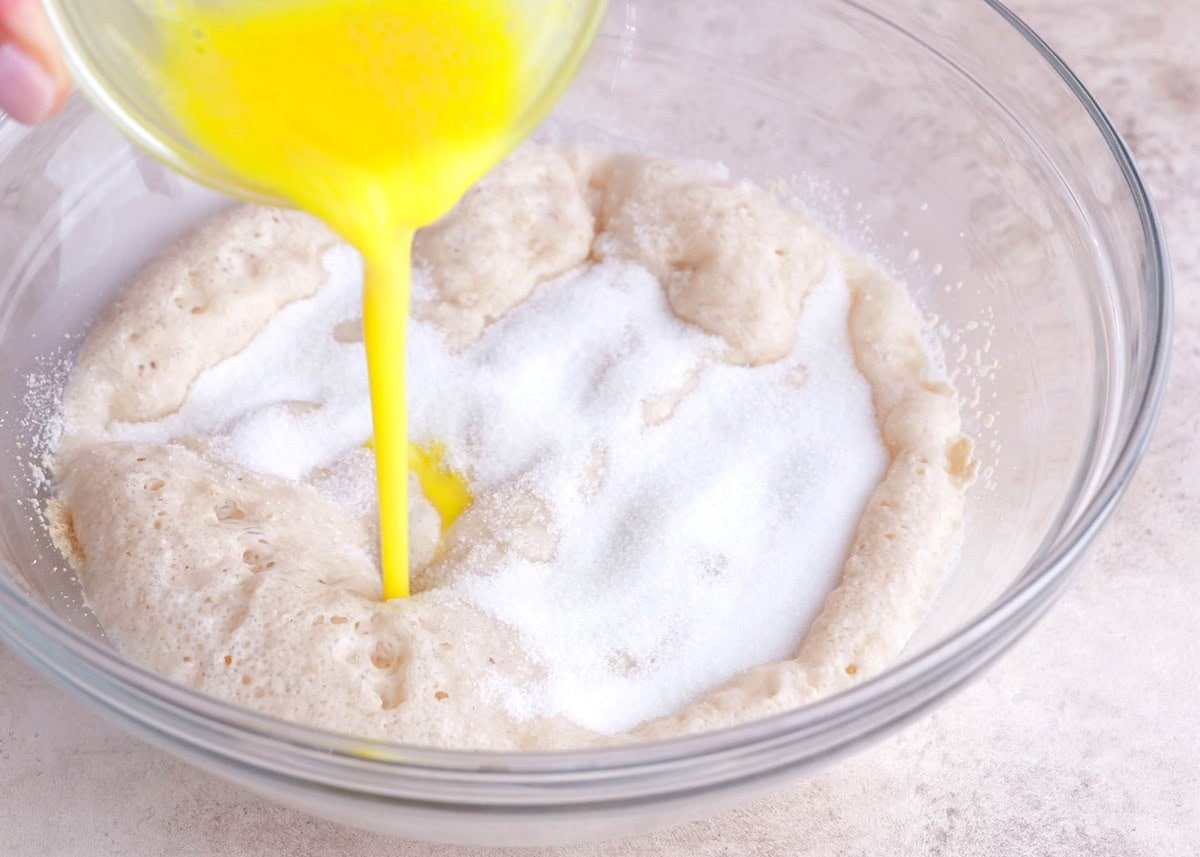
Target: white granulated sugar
x=702 y=511
x=350 y=482
x=295 y=398
x=713 y=537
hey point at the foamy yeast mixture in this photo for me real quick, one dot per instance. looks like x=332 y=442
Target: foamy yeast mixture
x=714 y=474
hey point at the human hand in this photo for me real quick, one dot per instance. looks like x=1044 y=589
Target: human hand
x=33 y=79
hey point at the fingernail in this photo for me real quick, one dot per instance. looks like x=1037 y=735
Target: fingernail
x=26 y=90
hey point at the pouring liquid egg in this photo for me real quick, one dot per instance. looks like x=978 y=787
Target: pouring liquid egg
x=376 y=117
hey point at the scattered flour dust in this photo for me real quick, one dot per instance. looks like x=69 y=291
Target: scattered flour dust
x=658 y=510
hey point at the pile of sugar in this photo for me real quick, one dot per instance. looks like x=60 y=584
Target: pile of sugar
x=295 y=398
x=701 y=511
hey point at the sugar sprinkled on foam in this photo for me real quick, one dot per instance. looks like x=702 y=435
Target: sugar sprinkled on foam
x=702 y=511
x=295 y=398
x=712 y=538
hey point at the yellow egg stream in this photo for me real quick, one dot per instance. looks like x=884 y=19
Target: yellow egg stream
x=376 y=117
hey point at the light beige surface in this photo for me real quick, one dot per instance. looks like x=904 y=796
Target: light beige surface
x=1097 y=749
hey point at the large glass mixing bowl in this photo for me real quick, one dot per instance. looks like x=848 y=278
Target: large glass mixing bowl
x=945 y=139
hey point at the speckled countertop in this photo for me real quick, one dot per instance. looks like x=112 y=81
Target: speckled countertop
x=1098 y=751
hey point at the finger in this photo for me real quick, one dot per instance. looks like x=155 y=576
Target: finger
x=33 y=80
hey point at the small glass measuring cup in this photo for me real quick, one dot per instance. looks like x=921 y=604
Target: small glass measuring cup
x=112 y=48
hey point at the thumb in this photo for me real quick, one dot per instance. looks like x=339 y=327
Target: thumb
x=33 y=79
